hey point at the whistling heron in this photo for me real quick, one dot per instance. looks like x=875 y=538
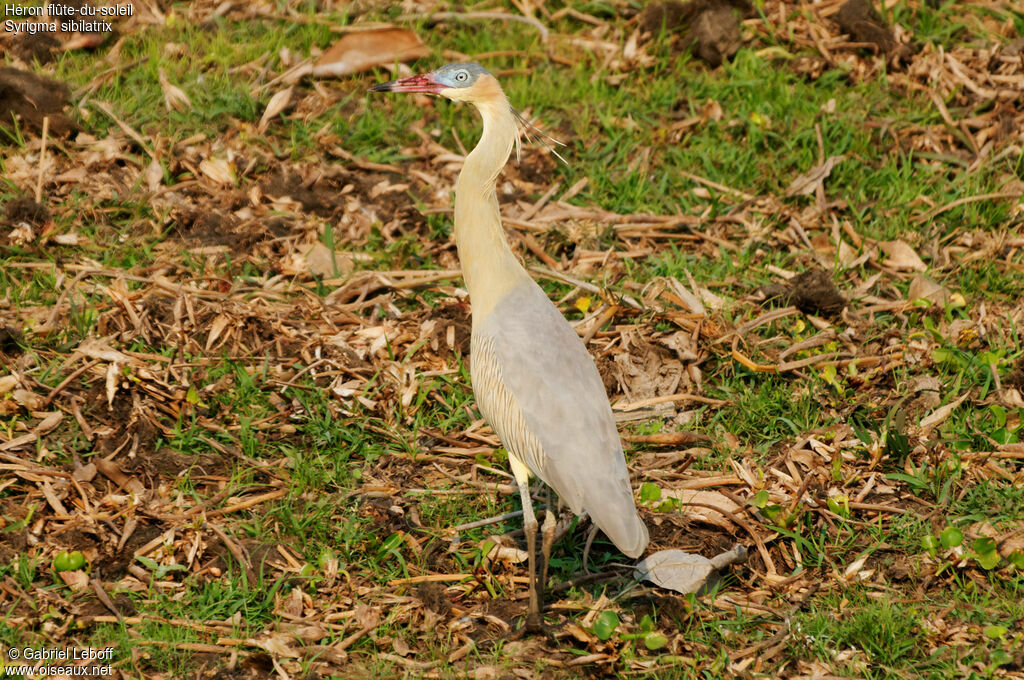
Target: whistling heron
x=533 y=379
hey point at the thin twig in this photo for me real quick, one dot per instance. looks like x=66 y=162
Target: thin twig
x=42 y=161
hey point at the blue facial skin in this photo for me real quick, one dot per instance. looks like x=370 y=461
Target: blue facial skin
x=459 y=74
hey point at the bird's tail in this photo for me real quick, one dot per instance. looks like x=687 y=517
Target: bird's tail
x=613 y=510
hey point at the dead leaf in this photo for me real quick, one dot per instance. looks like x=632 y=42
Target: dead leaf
x=277 y=104
x=855 y=570
x=113 y=375
x=219 y=170
x=940 y=414
x=86 y=473
x=28 y=399
x=809 y=182
x=7 y=383
x=363 y=50
x=684 y=572
x=368 y=617
x=154 y=175
x=899 y=255
x=321 y=261
x=220 y=322
x=174 y=96
x=276 y=644
x=847 y=254
x=923 y=288
x=70 y=239
x=77 y=580
x=49 y=422
x=509 y=554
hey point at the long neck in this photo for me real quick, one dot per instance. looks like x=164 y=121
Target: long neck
x=488 y=265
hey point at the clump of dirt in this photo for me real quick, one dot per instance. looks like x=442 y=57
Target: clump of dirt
x=31 y=98
x=115 y=564
x=1015 y=378
x=711 y=27
x=862 y=23
x=25 y=209
x=10 y=341
x=167 y=461
x=609 y=377
x=678 y=532
x=212 y=227
x=12 y=544
x=457 y=315
x=126 y=421
x=434 y=598
x=315 y=197
x=41 y=47
x=812 y=292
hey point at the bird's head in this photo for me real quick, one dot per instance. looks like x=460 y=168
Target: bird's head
x=461 y=81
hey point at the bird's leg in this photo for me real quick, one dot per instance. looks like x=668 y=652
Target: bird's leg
x=586 y=548
x=530 y=528
x=547 y=538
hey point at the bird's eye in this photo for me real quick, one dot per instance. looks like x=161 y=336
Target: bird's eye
x=461 y=77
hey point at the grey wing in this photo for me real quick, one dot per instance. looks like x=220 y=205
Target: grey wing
x=540 y=390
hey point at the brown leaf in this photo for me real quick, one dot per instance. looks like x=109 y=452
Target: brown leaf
x=363 y=50
x=683 y=572
x=28 y=399
x=76 y=580
x=923 y=288
x=940 y=414
x=216 y=328
x=7 y=383
x=277 y=104
x=277 y=644
x=319 y=260
x=174 y=96
x=809 y=182
x=899 y=255
x=219 y=170
x=49 y=422
x=112 y=380
x=368 y=617
x=154 y=175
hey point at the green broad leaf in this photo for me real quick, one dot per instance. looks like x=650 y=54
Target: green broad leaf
x=930 y=544
x=988 y=561
x=994 y=632
x=951 y=537
x=668 y=505
x=68 y=561
x=1017 y=559
x=760 y=499
x=392 y=543
x=192 y=396
x=326 y=555
x=999 y=414
x=773 y=512
x=649 y=492
x=839 y=504
x=605 y=624
x=984 y=545
x=1004 y=436
x=646 y=624
x=655 y=640
x=1000 y=657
